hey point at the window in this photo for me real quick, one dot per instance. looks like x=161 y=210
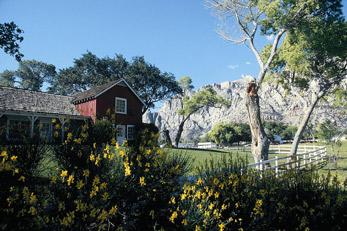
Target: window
x=131 y=132
x=45 y=130
x=120 y=131
x=121 y=105
x=16 y=129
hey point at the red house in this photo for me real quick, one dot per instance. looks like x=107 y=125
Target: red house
x=115 y=100
x=30 y=112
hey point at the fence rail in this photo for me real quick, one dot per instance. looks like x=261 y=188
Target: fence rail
x=306 y=155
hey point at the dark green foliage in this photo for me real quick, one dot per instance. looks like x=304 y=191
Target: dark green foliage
x=151 y=84
x=297 y=200
x=29 y=158
x=9 y=38
x=273 y=128
x=227 y=134
x=7 y=78
x=32 y=74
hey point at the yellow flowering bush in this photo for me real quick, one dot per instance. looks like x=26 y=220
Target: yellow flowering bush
x=229 y=196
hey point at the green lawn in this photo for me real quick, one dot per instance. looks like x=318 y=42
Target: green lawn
x=200 y=155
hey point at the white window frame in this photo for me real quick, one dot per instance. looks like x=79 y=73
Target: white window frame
x=130 y=126
x=49 y=137
x=8 y=126
x=125 y=109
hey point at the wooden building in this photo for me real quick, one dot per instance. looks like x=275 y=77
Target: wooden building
x=37 y=112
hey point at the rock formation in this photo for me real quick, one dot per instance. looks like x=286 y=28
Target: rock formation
x=274 y=103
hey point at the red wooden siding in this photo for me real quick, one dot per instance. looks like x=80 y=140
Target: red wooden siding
x=107 y=101
x=98 y=107
x=88 y=108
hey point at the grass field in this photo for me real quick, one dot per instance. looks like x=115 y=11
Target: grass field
x=199 y=156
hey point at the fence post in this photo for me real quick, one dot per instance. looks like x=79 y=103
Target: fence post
x=305 y=148
x=304 y=159
x=297 y=162
x=276 y=164
x=261 y=168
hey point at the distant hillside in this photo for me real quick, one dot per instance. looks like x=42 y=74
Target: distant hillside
x=274 y=105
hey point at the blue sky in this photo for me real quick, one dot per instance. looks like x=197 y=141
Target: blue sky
x=178 y=36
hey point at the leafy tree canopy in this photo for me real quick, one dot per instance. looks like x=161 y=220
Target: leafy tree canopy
x=33 y=73
x=204 y=98
x=7 y=78
x=151 y=84
x=185 y=83
x=227 y=134
x=9 y=38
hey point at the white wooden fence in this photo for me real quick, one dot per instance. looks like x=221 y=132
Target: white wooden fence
x=306 y=155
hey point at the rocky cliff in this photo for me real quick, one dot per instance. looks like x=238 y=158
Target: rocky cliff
x=274 y=103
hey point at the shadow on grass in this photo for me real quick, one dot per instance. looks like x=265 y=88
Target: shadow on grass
x=203 y=150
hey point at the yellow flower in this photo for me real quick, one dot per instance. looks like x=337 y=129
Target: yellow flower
x=183 y=196
x=32 y=210
x=94 y=145
x=63 y=174
x=105 y=196
x=142 y=181
x=127 y=171
x=113 y=210
x=14 y=158
x=96 y=181
x=70 y=180
x=79 y=141
x=184 y=212
x=197 y=228
x=184 y=222
x=56 y=134
x=173 y=217
x=207 y=213
x=221 y=226
x=16 y=171
x=92 y=157
x=107 y=149
x=211 y=206
x=122 y=153
x=54 y=180
x=224 y=206
x=22 y=178
x=199 y=182
x=3 y=153
x=173 y=201
x=151 y=213
x=79 y=185
x=103 y=215
x=32 y=198
x=103 y=186
x=54 y=120
x=86 y=172
x=69 y=136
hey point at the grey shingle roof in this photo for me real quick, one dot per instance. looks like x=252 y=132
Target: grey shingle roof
x=91 y=93
x=15 y=99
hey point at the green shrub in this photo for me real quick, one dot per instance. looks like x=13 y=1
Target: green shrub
x=229 y=196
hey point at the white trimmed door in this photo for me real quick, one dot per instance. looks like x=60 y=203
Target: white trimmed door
x=120 y=134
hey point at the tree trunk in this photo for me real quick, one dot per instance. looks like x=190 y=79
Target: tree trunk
x=260 y=141
x=179 y=133
x=167 y=138
x=302 y=126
